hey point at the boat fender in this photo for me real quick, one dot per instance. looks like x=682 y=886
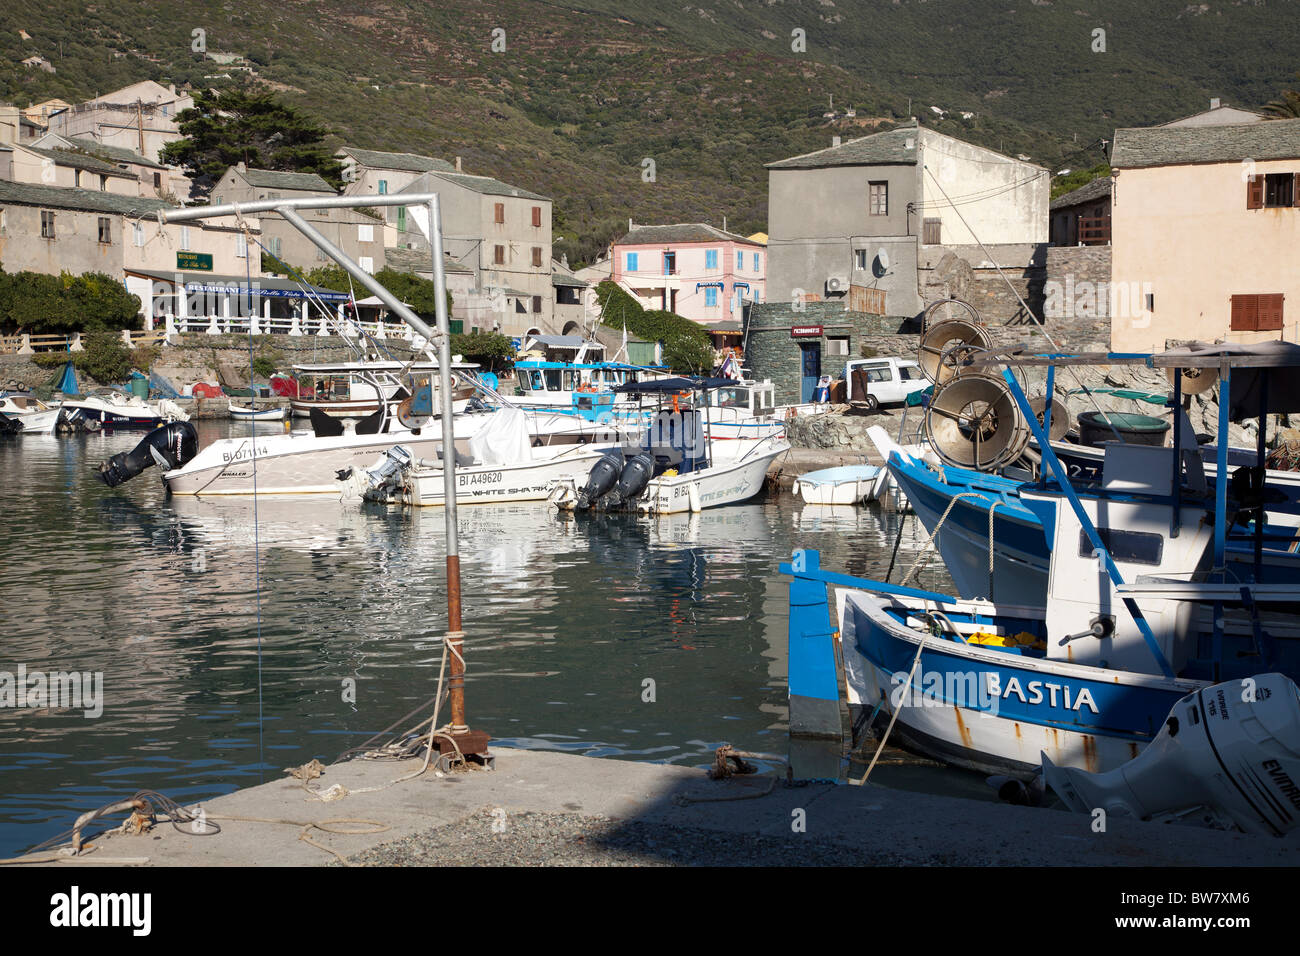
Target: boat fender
x=170 y=446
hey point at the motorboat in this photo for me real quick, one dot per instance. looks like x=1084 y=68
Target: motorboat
x=116 y=410
x=358 y=389
x=845 y=485
x=258 y=414
x=36 y=417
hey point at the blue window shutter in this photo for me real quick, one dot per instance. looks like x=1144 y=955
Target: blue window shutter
x=711 y=295
x=631 y=262
x=383 y=187
x=740 y=260
x=756 y=267
x=710 y=258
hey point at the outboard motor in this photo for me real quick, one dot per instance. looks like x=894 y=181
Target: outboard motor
x=636 y=475
x=170 y=446
x=1232 y=748
x=600 y=480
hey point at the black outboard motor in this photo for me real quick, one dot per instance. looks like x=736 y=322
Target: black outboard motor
x=170 y=446
x=600 y=480
x=636 y=475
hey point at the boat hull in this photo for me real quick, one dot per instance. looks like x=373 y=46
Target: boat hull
x=725 y=483
x=485 y=484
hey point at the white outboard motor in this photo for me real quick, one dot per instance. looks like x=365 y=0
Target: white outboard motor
x=1233 y=748
x=380 y=480
x=600 y=479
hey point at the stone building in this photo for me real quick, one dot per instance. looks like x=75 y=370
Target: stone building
x=140 y=117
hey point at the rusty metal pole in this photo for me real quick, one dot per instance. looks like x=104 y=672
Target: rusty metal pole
x=455 y=636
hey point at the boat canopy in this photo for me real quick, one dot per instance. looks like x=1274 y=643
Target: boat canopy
x=680 y=384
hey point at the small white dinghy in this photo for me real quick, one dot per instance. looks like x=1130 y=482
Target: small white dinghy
x=845 y=485
x=258 y=414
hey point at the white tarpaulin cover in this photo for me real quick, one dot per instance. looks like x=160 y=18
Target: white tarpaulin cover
x=505 y=440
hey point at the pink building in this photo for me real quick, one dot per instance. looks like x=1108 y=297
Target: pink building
x=693 y=269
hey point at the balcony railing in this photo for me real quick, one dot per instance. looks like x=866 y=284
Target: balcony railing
x=1094 y=230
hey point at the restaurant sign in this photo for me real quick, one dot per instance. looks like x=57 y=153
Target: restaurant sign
x=805 y=331
x=194 y=261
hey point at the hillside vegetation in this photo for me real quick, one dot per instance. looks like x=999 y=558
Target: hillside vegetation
x=585 y=91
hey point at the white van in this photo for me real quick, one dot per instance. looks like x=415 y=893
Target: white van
x=888 y=380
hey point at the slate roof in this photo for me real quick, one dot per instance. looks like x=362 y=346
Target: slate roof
x=401 y=259
x=1089 y=192
x=889 y=147
x=479 y=184
x=681 y=232
x=58 y=197
x=411 y=162
x=1185 y=145
x=275 y=179
x=74 y=160
x=113 y=154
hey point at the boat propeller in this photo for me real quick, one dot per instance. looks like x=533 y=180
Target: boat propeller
x=169 y=447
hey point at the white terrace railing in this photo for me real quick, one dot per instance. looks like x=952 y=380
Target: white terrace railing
x=261 y=325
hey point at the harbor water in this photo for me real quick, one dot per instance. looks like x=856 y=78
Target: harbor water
x=235 y=638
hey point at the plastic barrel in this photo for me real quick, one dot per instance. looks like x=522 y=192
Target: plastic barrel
x=1133 y=428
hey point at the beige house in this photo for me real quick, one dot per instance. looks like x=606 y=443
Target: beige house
x=358 y=234
x=1205 y=234
x=153 y=180
x=54 y=229
x=502 y=233
x=140 y=117
x=371 y=172
x=69 y=169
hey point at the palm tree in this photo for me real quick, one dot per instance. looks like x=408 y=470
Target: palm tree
x=1287 y=106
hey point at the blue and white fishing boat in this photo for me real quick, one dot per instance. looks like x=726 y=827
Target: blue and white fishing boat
x=1140 y=611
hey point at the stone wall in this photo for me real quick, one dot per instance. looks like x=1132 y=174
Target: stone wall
x=1076 y=304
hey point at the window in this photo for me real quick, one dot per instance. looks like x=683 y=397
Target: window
x=366 y=233
x=275 y=247
x=711 y=296
x=910 y=373
x=241 y=244
x=537 y=217
x=157 y=180
x=401 y=219
x=47 y=225
x=103 y=183
x=499 y=215
x=1272 y=190
x=1257 y=313
x=537 y=258
x=185 y=238
x=499 y=255
x=367 y=263
x=837 y=345
x=1135 y=547
x=859 y=258
x=879 y=199
x=740 y=261
x=670 y=263
x=105 y=230
x=757 y=261
x=880 y=373
x=383 y=187
x=631 y=262
x=710 y=258
x=932 y=231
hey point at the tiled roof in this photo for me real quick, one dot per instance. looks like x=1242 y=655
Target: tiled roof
x=485 y=185
x=1088 y=192
x=75 y=160
x=411 y=162
x=889 y=147
x=1184 y=145
x=680 y=232
x=276 y=179
x=113 y=154
x=57 y=197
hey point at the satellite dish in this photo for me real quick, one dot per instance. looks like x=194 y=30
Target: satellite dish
x=881 y=265
x=973 y=422
x=938 y=354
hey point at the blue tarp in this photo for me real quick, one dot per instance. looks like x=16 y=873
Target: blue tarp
x=67 y=383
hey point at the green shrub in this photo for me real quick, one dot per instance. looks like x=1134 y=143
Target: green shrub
x=105 y=358
x=486 y=348
x=687 y=346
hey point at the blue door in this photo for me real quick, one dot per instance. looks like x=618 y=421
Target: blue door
x=811 y=364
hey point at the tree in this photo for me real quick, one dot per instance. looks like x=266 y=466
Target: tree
x=420 y=294
x=1286 y=106
x=236 y=125
x=38 y=303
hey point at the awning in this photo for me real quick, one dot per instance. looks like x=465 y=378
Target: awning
x=709 y=285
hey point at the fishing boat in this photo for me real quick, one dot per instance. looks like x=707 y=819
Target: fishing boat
x=258 y=414
x=1140 y=612
x=673 y=465
x=845 y=485
x=35 y=416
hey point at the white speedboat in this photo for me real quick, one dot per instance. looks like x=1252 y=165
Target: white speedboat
x=258 y=414
x=116 y=410
x=36 y=417
x=358 y=389
x=845 y=485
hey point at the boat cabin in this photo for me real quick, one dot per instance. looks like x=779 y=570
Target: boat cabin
x=355 y=389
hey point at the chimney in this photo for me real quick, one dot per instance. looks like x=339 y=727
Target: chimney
x=835 y=141
x=1214 y=103
x=629 y=223
x=458 y=164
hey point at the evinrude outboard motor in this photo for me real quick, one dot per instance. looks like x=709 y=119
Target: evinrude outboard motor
x=170 y=446
x=1233 y=748
x=600 y=479
x=635 y=476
